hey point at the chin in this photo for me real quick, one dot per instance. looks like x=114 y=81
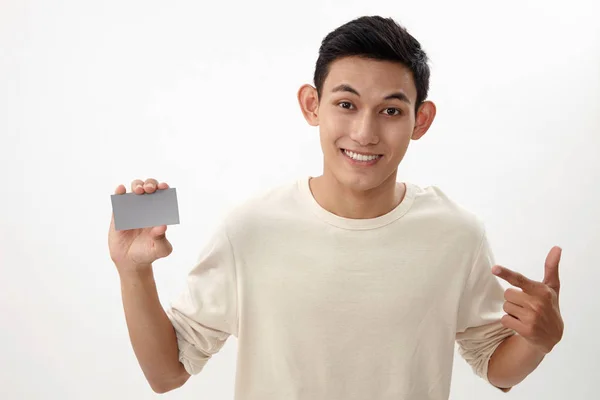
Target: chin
x=358 y=178
x=359 y=182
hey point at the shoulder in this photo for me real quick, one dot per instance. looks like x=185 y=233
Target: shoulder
x=436 y=208
x=263 y=208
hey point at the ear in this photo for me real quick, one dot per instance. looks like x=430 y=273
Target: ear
x=309 y=104
x=424 y=119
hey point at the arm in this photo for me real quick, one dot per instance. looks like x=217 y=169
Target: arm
x=513 y=360
x=151 y=333
x=534 y=313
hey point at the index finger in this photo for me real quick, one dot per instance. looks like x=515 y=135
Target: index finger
x=514 y=278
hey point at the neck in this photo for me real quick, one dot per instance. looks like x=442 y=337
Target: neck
x=348 y=203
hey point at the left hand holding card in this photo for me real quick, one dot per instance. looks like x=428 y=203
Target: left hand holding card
x=140 y=209
x=138 y=225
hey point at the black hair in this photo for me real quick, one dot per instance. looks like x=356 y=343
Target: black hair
x=378 y=38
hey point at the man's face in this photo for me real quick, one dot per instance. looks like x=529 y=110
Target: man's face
x=367 y=119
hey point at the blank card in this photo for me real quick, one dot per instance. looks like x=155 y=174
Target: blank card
x=133 y=211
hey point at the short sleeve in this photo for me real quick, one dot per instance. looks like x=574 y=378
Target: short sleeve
x=204 y=315
x=479 y=330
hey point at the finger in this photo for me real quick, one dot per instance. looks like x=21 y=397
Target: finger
x=517 y=297
x=150 y=185
x=551 y=269
x=514 y=310
x=513 y=323
x=514 y=278
x=163 y=186
x=120 y=189
x=137 y=186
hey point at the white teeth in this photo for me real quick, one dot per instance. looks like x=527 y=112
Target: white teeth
x=359 y=157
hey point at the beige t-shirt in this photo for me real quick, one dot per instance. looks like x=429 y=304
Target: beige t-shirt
x=325 y=307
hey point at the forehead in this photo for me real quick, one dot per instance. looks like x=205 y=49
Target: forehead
x=370 y=77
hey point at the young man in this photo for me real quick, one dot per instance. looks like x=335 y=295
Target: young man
x=349 y=285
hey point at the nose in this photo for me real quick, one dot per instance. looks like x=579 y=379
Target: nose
x=364 y=130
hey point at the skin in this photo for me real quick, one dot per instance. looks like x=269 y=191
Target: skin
x=365 y=123
x=533 y=312
x=137 y=248
x=152 y=336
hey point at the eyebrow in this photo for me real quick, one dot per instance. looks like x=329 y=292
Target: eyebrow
x=347 y=88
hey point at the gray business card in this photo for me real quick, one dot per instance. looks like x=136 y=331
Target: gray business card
x=134 y=211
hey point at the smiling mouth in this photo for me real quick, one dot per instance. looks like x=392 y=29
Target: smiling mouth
x=359 y=157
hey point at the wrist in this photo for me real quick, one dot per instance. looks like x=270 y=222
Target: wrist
x=534 y=348
x=135 y=273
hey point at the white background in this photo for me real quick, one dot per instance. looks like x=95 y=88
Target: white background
x=203 y=96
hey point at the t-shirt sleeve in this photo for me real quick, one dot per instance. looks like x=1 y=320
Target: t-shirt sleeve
x=479 y=330
x=205 y=314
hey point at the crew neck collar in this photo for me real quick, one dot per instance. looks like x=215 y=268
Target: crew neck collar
x=353 y=223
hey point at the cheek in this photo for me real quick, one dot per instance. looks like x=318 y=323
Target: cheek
x=333 y=131
x=397 y=144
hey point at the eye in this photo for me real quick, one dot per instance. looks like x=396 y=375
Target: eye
x=345 y=104
x=391 y=111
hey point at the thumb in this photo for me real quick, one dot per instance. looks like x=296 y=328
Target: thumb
x=551 y=277
x=158 y=232
x=162 y=246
